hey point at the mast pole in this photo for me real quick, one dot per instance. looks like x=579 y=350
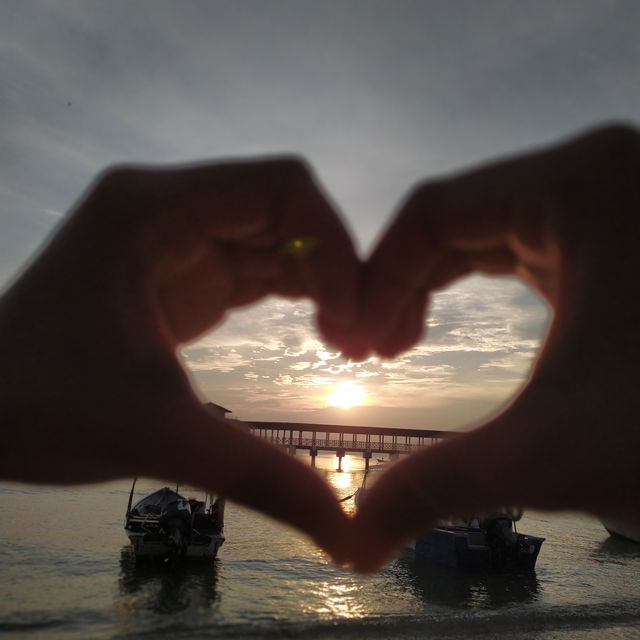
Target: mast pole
x=133 y=486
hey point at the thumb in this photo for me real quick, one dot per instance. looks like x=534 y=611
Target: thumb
x=223 y=456
x=457 y=476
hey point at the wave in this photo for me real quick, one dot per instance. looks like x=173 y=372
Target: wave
x=516 y=624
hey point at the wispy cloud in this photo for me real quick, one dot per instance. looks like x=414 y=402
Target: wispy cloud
x=482 y=340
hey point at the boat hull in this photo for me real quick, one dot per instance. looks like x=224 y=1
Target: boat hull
x=465 y=547
x=157 y=545
x=622 y=530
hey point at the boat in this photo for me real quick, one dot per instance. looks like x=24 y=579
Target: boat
x=488 y=542
x=165 y=524
x=491 y=542
x=622 y=530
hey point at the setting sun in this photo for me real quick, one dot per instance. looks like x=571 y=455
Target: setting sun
x=347 y=394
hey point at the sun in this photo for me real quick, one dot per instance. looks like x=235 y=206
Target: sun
x=347 y=394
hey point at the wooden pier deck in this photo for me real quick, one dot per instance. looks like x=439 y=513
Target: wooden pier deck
x=345 y=439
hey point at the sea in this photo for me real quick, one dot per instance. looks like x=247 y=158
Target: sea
x=67 y=571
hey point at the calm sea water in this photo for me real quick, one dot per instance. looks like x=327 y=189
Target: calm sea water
x=67 y=571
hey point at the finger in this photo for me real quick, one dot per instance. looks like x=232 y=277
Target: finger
x=294 y=225
x=421 y=252
x=408 y=329
x=282 y=209
x=222 y=456
x=518 y=215
x=196 y=299
x=394 y=275
x=221 y=278
x=268 y=213
x=319 y=254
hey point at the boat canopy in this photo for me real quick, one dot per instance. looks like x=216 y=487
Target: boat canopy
x=157 y=501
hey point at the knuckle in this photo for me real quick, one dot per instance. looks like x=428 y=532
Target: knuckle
x=293 y=168
x=121 y=184
x=422 y=207
x=278 y=170
x=118 y=176
x=616 y=160
x=620 y=135
x=615 y=150
x=424 y=193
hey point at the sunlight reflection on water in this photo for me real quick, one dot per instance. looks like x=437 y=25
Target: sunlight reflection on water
x=68 y=572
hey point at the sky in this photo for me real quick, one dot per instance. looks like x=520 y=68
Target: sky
x=378 y=96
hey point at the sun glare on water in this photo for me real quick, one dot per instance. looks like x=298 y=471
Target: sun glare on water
x=347 y=394
x=342 y=481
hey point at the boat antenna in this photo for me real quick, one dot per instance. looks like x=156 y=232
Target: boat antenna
x=133 y=486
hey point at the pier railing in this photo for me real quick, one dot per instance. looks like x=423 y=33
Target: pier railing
x=319 y=443
x=343 y=439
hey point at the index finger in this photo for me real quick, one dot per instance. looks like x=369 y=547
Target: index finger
x=212 y=236
x=444 y=230
x=283 y=234
x=523 y=215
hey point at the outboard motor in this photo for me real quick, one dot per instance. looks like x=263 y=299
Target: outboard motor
x=501 y=538
x=177 y=522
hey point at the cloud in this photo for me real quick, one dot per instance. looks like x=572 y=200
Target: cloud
x=482 y=340
x=223 y=359
x=300 y=366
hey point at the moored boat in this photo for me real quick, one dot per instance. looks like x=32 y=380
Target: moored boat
x=490 y=542
x=165 y=524
x=622 y=530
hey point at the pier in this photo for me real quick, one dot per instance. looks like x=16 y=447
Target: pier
x=345 y=439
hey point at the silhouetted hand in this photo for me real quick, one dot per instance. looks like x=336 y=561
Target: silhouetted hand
x=567 y=220
x=151 y=258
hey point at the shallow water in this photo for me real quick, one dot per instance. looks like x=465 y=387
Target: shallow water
x=67 y=571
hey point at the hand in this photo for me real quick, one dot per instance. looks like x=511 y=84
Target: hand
x=567 y=220
x=151 y=258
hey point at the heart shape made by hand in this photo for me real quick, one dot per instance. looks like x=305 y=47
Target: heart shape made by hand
x=151 y=258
